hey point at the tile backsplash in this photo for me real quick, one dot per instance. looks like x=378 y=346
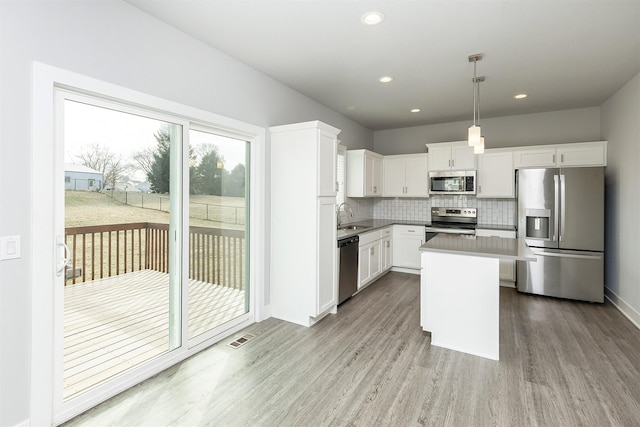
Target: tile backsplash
x=361 y=208
x=490 y=211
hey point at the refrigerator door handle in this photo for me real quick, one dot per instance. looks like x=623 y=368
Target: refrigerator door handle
x=562 y=206
x=564 y=255
x=555 y=207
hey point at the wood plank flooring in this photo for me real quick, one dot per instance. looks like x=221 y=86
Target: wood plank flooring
x=562 y=364
x=116 y=323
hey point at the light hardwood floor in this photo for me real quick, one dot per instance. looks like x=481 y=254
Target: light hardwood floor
x=562 y=364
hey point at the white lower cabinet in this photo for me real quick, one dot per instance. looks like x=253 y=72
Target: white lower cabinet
x=374 y=255
x=507 y=267
x=406 y=241
x=387 y=253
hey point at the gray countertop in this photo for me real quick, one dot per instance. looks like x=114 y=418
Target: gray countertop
x=374 y=224
x=490 y=247
x=496 y=227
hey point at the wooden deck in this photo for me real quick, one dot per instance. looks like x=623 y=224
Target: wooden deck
x=116 y=323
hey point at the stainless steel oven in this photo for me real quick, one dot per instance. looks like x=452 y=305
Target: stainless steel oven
x=460 y=221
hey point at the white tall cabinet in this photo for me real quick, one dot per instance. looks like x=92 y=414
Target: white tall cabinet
x=303 y=222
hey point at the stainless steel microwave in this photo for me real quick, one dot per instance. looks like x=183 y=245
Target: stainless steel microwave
x=452 y=182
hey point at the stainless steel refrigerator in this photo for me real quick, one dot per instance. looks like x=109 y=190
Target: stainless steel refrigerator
x=561 y=217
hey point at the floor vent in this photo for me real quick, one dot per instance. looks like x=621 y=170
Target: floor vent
x=238 y=342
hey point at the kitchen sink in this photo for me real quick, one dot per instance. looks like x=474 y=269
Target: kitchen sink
x=353 y=227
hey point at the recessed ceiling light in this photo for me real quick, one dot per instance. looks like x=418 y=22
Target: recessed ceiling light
x=415 y=110
x=385 y=79
x=372 y=18
x=520 y=96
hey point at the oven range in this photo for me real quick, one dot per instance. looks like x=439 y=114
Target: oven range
x=461 y=221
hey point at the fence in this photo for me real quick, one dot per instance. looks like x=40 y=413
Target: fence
x=207 y=211
x=215 y=255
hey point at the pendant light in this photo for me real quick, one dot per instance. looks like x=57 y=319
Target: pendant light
x=475 y=132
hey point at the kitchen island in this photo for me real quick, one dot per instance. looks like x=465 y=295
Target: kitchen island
x=460 y=290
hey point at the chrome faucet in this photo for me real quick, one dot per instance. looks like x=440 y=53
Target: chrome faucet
x=347 y=208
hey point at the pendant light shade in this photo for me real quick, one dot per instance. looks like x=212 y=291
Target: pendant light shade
x=479 y=149
x=474 y=135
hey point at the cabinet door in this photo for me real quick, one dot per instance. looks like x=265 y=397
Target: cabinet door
x=375 y=259
x=440 y=158
x=496 y=175
x=369 y=175
x=363 y=265
x=507 y=270
x=327 y=158
x=583 y=155
x=406 y=249
x=377 y=176
x=387 y=253
x=394 y=177
x=534 y=158
x=507 y=267
x=326 y=286
x=417 y=177
x=462 y=157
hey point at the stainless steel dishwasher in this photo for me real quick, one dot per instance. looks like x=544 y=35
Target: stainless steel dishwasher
x=348 y=265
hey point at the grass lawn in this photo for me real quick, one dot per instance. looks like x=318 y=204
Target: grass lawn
x=84 y=208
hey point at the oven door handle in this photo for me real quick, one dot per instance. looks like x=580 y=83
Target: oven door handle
x=449 y=230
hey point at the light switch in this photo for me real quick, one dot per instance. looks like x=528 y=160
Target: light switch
x=10 y=247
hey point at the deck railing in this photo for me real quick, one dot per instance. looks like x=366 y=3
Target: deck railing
x=215 y=255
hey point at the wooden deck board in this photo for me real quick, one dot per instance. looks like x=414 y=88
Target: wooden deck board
x=116 y=323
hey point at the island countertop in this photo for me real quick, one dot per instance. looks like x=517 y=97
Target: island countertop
x=490 y=247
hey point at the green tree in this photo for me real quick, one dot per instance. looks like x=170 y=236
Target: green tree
x=235 y=185
x=209 y=174
x=159 y=172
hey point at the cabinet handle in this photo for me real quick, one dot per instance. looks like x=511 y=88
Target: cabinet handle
x=479 y=188
x=453 y=162
x=562 y=158
x=372 y=250
x=554 y=158
x=337 y=186
x=375 y=189
x=388 y=243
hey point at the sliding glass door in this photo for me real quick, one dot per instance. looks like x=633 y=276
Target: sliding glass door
x=156 y=234
x=218 y=232
x=121 y=286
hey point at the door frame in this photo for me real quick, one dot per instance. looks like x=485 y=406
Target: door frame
x=47 y=160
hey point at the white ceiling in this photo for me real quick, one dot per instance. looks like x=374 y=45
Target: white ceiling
x=564 y=54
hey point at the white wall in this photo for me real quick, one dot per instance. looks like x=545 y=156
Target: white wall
x=621 y=127
x=579 y=125
x=114 y=42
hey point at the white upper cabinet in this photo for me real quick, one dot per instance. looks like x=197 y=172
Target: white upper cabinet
x=451 y=156
x=406 y=176
x=364 y=173
x=562 y=155
x=496 y=174
x=588 y=154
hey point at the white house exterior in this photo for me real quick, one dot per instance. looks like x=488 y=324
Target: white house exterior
x=80 y=177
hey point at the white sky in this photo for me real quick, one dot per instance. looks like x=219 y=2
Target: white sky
x=127 y=134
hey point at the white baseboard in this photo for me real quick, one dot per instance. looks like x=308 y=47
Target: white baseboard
x=625 y=308
x=406 y=270
x=507 y=284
